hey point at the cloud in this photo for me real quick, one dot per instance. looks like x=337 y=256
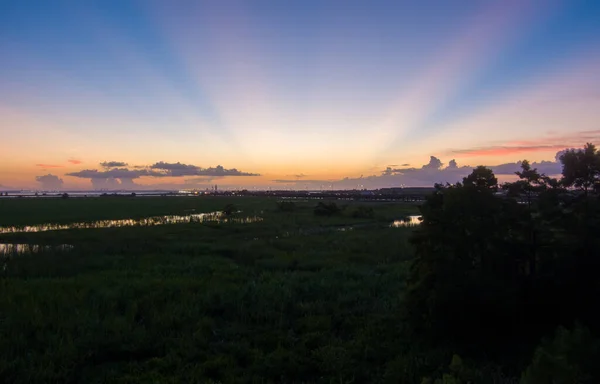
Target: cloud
x=116 y=178
x=543 y=144
x=175 y=167
x=113 y=164
x=506 y=150
x=425 y=176
x=162 y=169
x=108 y=183
x=120 y=177
x=115 y=173
x=202 y=179
x=549 y=168
x=434 y=163
x=49 y=166
x=50 y=182
x=74 y=161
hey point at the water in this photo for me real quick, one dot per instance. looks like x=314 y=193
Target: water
x=18 y=249
x=148 y=221
x=409 y=221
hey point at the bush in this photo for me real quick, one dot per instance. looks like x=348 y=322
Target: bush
x=327 y=209
x=363 y=212
x=286 y=206
x=570 y=357
x=229 y=209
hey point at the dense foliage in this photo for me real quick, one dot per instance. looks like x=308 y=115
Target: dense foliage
x=291 y=298
x=494 y=273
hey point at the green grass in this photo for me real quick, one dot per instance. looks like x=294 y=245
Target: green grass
x=19 y=212
x=231 y=303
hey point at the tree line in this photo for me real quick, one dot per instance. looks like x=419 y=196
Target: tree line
x=513 y=277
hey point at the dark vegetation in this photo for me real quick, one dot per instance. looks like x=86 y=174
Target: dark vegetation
x=494 y=275
x=327 y=209
x=490 y=288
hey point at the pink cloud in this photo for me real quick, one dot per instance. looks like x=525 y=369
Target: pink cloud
x=502 y=150
x=546 y=144
x=49 y=166
x=74 y=161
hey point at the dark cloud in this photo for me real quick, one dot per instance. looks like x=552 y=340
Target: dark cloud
x=50 y=182
x=162 y=169
x=116 y=176
x=549 y=168
x=176 y=167
x=434 y=163
x=113 y=164
x=406 y=165
x=425 y=176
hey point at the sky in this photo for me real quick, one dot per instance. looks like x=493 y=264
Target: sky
x=135 y=94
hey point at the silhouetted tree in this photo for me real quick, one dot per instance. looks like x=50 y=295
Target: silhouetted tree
x=491 y=274
x=581 y=168
x=482 y=178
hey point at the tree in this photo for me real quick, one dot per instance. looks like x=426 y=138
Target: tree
x=531 y=185
x=462 y=278
x=581 y=168
x=482 y=178
x=570 y=357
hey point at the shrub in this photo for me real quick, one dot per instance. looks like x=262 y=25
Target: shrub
x=363 y=212
x=570 y=357
x=286 y=206
x=327 y=209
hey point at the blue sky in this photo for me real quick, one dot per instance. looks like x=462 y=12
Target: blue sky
x=328 y=89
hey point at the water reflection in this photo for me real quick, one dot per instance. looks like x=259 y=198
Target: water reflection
x=218 y=217
x=18 y=249
x=408 y=221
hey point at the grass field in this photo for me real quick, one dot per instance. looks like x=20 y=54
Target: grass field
x=264 y=302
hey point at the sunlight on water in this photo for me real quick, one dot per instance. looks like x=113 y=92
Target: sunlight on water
x=11 y=249
x=218 y=217
x=409 y=221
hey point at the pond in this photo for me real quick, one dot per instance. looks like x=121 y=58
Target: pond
x=408 y=221
x=218 y=217
x=18 y=249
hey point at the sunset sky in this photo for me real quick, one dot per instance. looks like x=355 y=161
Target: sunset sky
x=299 y=93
